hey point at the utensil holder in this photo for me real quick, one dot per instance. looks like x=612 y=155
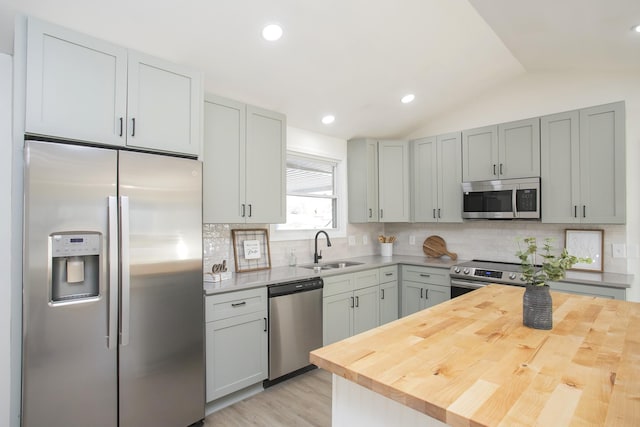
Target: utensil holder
x=386 y=249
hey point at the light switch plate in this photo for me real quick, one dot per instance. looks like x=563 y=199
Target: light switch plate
x=412 y=240
x=365 y=239
x=352 y=240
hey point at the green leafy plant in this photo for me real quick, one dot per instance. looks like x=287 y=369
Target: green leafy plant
x=551 y=268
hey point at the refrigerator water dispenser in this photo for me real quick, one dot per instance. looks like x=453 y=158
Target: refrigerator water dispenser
x=75 y=266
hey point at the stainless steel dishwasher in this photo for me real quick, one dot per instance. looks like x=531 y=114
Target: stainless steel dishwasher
x=295 y=326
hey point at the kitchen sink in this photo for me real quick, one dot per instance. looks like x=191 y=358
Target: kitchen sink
x=331 y=265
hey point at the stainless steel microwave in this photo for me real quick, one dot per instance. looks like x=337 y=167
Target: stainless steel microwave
x=501 y=199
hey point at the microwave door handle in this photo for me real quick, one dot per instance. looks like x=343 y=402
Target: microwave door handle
x=514 y=198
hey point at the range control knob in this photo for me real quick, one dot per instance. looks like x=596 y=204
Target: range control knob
x=522 y=279
x=456 y=270
x=512 y=276
x=466 y=271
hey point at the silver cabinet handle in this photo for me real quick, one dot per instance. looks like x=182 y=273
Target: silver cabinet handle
x=434 y=213
x=357 y=302
x=243 y=210
x=265 y=324
x=381 y=213
x=133 y=126
x=426 y=294
x=421 y=291
x=352 y=302
x=382 y=291
x=388 y=274
x=112 y=247
x=584 y=211
x=494 y=169
x=500 y=168
x=370 y=212
x=249 y=210
x=121 y=125
x=575 y=211
x=439 y=213
x=125 y=268
x=424 y=275
x=238 y=304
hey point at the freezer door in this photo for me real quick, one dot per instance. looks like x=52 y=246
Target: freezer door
x=69 y=365
x=162 y=321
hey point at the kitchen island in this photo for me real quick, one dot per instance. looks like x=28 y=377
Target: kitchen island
x=471 y=362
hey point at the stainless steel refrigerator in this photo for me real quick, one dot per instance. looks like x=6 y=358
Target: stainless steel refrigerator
x=113 y=324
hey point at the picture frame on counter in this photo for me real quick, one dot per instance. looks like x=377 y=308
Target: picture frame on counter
x=251 y=251
x=585 y=244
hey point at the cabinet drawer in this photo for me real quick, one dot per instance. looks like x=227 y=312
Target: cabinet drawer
x=436 y=276
x=335 y=285
x=365 y=279
x=388 y=274
x=233 y=304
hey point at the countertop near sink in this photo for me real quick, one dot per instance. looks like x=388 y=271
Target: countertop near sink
x=260 y=278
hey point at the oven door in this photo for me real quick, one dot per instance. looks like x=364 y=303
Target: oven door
x=461 y=287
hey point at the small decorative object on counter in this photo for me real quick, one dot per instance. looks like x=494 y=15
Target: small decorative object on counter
x=293 y=260
x=219 y=272
x=537 y=306
x=386 y=245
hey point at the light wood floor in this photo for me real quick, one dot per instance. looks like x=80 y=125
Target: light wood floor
x=304 y=400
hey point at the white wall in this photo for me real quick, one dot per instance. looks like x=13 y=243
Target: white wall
x=533 y=95
x=5 y=237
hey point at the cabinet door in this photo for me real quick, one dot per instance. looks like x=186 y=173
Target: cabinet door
x=366 y=309
x=223 y=160
x=412 y=298
x=76 y=85
x=265 y=160
x=362 y=179
x=337 y=317
x=602 y=164
x=560 y=167
x=424 y=180
x=388 y=302
x=519 y=149
x=589 y=290
x=449 y=178
x=164 y=105
x=434 y=294
x=236 y=350
x=480 y=154
x=393 y=181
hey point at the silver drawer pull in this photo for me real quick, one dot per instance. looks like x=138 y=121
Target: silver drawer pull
x=388 y=274
x=425 y=275
x=238 y=304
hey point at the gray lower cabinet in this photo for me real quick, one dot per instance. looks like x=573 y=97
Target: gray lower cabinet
x=388 y=294
x=349 y=305
x=236 y=341
x=589 y=290
x=423 y=287
x=583 y=166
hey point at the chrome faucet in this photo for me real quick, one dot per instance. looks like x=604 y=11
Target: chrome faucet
x=317 y=257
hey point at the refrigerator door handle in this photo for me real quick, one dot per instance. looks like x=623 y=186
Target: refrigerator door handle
x=112 y=247
x=125 y=279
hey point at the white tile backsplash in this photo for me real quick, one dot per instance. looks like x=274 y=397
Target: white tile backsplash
x=491 y=240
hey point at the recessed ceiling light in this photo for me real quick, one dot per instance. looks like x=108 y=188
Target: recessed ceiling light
x=408 y=98
x=272 y=32
x=636 y=28
x=327 y=120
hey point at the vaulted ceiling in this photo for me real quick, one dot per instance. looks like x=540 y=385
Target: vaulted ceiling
x=355 y=59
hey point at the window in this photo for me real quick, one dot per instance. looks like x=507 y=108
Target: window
x=311 y=193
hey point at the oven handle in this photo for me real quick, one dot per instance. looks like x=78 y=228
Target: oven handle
x=468 y=284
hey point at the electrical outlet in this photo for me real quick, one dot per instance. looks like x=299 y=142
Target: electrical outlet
x=618 y=250
x=352 y=240
x=412 y=240
x=365 y=239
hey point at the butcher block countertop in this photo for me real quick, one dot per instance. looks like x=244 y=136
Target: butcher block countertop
x=471 y=362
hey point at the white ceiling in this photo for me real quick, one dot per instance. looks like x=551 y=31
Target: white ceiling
x=356 y=58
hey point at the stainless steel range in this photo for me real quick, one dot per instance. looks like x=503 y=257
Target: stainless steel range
x=472 y=275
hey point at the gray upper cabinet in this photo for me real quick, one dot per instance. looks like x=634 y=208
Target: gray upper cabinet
x=436 y=178
x=378 y=181
x=85 y=89
x=244 y=157
x=393 y=181
x=508 y=150
x=583 y=166
x=362 y=166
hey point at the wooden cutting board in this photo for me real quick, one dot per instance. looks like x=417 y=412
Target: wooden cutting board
x=435 y=247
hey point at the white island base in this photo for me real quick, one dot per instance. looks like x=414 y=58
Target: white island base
x=354 y=405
